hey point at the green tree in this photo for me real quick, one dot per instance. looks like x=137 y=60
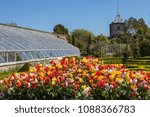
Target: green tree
x=89 y=44
x=121 y=38
x=147 y=36
x=62 y=32
x=82 y=39
x=145 y=47
x=60 y=29
x=113 y=41
x=136 y=31
x=101 y=38
x=99 y=49
x=138 y=24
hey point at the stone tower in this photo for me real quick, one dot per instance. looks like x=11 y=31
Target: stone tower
x=118 y=25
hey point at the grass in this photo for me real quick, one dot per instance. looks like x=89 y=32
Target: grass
x=112 y=60
x=5 y=74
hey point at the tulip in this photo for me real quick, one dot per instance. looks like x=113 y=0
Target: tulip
x=83 y=87
x=18 y=84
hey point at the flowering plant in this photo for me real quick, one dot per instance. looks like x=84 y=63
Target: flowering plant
x=77 y=78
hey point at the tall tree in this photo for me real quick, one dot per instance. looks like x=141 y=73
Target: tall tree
x=60 y=29
x=101 y=38
x=89 y=43
x=81 y=39
x=73 y=40
x=62 y=32
x=136 y=31
x=138 y=24
x=145 y=47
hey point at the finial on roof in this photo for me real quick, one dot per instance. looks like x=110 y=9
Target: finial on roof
x=118 y=18
x=117 y=8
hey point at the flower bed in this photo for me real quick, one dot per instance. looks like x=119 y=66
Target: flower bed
x=77 y=78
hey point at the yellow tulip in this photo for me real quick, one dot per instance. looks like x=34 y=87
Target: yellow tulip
x=59 y=66
x=54 y=79
x=71 y=75
x=133 y=86
x=83 y=87
x=49 y=72
x=32 y=69
x=80 y=80
x=127 y=79
x=84 y=60
x=74 y=59
x=42 y=74
x=93 y=74
x=85 y=72
x=101 y=77
x=133 y=75
x=79 y=70
x=112 y=77
x=103 y=71
x=95 y=60
x=53 y=82
x=141 y=77
x=119 y=80
x=50 y=67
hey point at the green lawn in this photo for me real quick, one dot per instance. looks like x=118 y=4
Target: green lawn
x=5 y=74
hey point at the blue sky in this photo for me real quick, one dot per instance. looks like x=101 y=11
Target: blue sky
x=93 y=15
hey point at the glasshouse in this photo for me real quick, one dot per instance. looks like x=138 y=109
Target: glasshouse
x=24 y=44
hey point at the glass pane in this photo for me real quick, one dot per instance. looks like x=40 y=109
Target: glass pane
x=2 y=60
x=23 y=56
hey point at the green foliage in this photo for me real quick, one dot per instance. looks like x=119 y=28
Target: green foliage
x=138 y=41
x=25 y=67
x=147 y=35
x=141 y=63
x=112 y=60
x=145 y=47
x=18 y=58
x=113 y=41
x=82 y=39
x=60 y=29
x=101 y=38
x=99 y=49
x=138 y=24
x=5 y=74
x=96 y=53
x=121 y=38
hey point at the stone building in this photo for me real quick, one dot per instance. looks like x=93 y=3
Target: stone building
x=118 y=25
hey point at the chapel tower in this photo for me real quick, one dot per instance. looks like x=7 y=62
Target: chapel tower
x=117 y=26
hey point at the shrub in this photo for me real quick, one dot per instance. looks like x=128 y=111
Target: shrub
x=25 y=67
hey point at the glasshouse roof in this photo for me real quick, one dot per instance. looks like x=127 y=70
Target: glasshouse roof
x=32 y=44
